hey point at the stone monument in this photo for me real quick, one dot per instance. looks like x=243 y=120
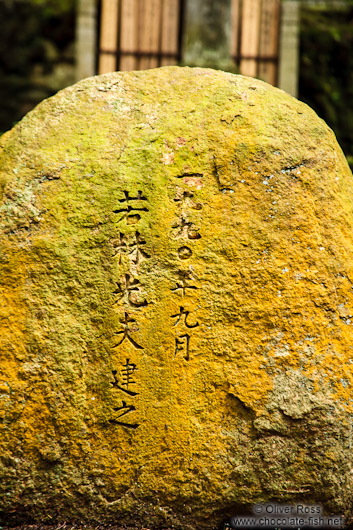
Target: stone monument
x=176 y=268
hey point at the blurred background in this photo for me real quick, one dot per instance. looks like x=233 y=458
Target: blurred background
x=304 y=47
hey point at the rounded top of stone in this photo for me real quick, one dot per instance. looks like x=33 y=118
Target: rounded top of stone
x=168 y=100
x=176 y=259
x=162 y=85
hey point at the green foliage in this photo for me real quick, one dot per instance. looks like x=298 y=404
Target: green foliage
x=49 y=7
x=326 y=69
x=34 y=37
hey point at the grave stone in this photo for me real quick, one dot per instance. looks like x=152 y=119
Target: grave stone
x=176 y=312
x=206 y=35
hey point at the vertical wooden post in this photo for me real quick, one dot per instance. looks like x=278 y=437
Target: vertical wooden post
x=109 y=36
x=129 y=34
x=139 y=33
x=235 y=21
x=149 y=32
x=170 y=31
x=86 y=39
x=250 y=37
x=289 y=47
x=268 y=46
x=155 y=31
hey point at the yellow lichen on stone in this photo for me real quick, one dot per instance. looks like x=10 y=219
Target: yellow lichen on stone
x=176 y=303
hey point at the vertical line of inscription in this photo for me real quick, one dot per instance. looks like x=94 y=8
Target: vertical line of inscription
x=123 y=383
x=128 y=292
x=185 y=229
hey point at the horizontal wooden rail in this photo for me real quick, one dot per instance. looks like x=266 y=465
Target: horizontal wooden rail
x=140 y=53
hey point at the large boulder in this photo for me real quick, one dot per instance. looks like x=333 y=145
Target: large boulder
x=176 y=267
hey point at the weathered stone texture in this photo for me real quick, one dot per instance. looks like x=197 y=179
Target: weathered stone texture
x=176 y=303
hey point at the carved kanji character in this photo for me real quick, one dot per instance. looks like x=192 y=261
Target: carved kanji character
x=137 y=250
x=129 y=208
x=126 y=332
x=182 y=283
x=124 y=409
x=184 y=313
x=120 y=246
x=126 y=378
x=128 y=287
x=182 y=344
x=186 y=228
